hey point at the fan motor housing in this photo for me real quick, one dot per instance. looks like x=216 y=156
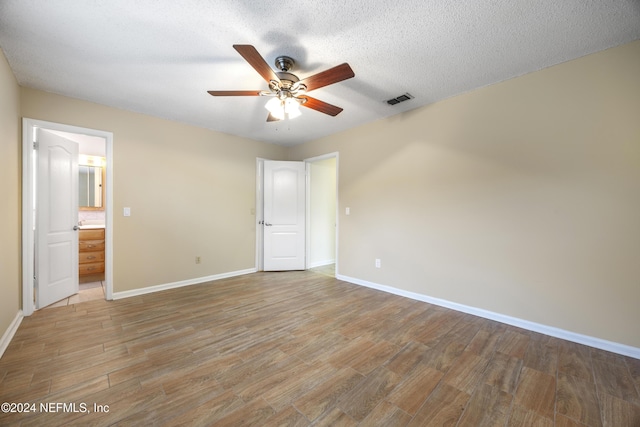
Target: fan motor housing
x=287 y=79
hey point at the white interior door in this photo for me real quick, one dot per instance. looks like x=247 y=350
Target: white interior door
x=56 y=235
x=284 y=215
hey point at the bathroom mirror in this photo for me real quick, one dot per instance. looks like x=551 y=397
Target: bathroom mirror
x=91 y=187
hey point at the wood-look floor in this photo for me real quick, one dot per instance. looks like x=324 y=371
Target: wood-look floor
x=302 y=348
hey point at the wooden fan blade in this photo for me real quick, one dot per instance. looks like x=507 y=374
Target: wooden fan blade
x=272 y=118
x=234 y=92
x=332 y=75
x=323 y=107
x=251 y=55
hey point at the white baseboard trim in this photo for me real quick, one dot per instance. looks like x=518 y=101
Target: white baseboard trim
x=10 y=332
x=613 y=347
x=322 y=263
x=189 y=282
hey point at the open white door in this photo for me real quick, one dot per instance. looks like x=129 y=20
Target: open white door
x=284 y=215
x=56 y=238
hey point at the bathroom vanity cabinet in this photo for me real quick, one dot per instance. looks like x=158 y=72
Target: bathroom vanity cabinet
x=91 y=245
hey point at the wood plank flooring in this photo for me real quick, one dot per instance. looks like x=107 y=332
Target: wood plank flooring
x=299 y=349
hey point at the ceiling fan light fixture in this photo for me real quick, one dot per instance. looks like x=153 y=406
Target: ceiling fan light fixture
x=275 y=107
x=292 y=108
x=288 y=107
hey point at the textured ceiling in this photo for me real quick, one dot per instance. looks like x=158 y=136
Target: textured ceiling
x=160 y=57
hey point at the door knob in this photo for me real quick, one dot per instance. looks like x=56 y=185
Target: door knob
x=267 y=224
x=75 y=227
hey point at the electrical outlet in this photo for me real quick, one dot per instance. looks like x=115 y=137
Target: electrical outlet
x=197 y=260
x=377 y=262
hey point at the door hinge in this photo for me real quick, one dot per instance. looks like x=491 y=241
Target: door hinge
x=35 y=145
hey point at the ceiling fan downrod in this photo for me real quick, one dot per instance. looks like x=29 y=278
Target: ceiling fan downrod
x=285 y=63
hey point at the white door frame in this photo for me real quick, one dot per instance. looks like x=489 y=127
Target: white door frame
x=259 y=214
x=28 y=185
x=260 y=208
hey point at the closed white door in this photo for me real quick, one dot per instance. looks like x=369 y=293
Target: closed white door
x=56 y=235
x=284 y=215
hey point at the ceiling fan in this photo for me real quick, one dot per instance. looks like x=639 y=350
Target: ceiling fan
x=287 y=90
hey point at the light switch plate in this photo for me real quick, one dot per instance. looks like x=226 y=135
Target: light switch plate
x=126 y=212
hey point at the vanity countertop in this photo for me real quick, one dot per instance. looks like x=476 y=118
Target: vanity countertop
x=91 y=226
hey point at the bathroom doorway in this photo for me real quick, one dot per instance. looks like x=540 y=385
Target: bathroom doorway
x=322 y=218
x=97 y=148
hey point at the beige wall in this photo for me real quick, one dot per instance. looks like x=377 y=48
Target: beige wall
x=522 y=198
x=191 y=192
x=10 y=159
